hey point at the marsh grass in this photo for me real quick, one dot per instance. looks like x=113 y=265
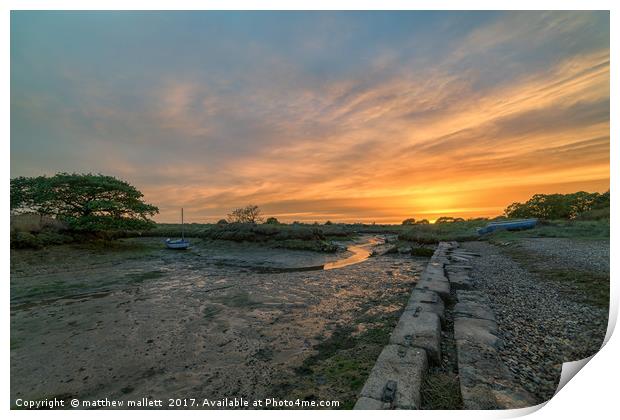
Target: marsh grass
x=420 y=251
x=342 y=362
x=434 y=233
x=315 y=237
x=294 y=236
x=441 y=391
x=570 y=229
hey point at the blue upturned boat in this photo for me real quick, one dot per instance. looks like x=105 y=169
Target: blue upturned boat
x=508 y=225
x=178 y=243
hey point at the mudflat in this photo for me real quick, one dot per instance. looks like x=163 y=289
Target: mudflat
x=219 y=320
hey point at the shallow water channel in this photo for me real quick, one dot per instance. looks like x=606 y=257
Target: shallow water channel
x=216 y=321
x=360 y=252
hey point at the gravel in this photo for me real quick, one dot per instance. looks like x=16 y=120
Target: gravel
x=582 y=255
x=541 y=328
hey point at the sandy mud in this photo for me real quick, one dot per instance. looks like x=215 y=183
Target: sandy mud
x=217 y=321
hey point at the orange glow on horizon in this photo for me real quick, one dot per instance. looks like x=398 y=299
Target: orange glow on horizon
x=542 y=134
x=360 y=124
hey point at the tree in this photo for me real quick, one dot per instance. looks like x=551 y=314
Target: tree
x=272 y=221
x=558 y=206
x=602 y=201
x=222 y=222
x=422 y=222
x=86 y=202
x=410 y=221
x=444 y=219
x=248 y=214
x=448 y=219
x=31 y=195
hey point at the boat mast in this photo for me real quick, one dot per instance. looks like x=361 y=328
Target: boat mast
x=182 y=233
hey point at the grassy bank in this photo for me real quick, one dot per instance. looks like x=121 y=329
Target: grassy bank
x=33 y=232
x=416 y=239
x=434 y=233
x=300 y=237
x=29 y=231
x=570 y=229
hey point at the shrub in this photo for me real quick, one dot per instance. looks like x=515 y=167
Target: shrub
x=36 y=231
x=272 y=221
x=53 y=238
x=30 y=222
x=422 y=252
x=595 y=214
x=410 y=221
x=24 y=240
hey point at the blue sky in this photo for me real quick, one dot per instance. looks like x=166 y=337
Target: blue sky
x=368 y=116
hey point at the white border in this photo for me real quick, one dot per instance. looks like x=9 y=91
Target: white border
x=591 y=395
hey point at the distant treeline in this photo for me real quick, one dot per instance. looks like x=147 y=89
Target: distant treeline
x=579 y=205
x=73 y=207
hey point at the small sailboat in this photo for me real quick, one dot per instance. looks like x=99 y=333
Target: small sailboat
x=178 y=243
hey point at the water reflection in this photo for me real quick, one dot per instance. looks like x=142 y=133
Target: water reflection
x=361 y=252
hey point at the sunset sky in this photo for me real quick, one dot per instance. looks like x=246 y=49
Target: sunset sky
x=346 y=116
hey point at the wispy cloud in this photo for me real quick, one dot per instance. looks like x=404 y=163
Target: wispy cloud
x=327 y=116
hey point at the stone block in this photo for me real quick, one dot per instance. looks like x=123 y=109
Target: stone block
x=460 y=280
x=473 y=296
x=433 y=279
x=473 y=310
x=426 y=301
x=421 y=329
x=402 y=370
x=476 y=330
x=458 y=267
x=458 y=259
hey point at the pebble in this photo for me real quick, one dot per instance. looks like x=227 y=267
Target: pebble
x=541 y=327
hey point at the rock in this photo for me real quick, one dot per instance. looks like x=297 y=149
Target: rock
x=486 y=382
x=421 y=329
x=402 y=365
x=436 y=282
x=426 y=300
x=476 y=330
